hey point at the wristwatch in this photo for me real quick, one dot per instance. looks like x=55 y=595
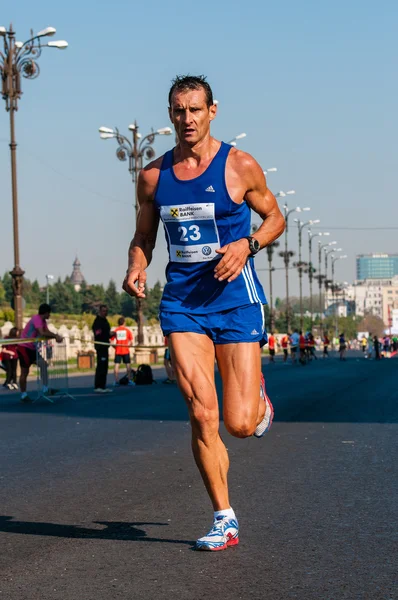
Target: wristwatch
x=254 y=245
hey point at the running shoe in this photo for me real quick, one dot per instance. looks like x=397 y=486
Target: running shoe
x=266 y=423
x=224 y=533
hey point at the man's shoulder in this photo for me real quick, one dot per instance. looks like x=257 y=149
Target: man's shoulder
x=242 y=160
x=150 y=173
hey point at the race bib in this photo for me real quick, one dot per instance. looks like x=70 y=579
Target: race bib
x=121 y=335
x=192 y=232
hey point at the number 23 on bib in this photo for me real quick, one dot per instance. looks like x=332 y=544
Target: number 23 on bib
x=191 y=232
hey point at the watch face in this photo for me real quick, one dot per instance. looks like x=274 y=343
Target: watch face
x=255 y=245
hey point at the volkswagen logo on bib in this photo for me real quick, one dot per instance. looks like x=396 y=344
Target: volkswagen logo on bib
x=206 y=250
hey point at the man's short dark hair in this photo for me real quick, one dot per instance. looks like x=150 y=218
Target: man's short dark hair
x=44 y=308
x=101 y=306
x=120 y=321
x=183 y=83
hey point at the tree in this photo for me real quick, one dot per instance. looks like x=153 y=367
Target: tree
x=112 y=298
x=154 y=296
x=7 y=284
x=128 y=306
x=91 y=297
x=372 y=324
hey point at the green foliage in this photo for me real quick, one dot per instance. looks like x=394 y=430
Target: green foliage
x=153 y=300
x=112 y=298
x=64 y=300
x=7 y=284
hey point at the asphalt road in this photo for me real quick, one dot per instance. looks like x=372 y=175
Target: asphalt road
x=101 y=500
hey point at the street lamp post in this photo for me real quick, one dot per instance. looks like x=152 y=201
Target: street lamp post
x=48 y=277
x=135 y=152
x=287 y=254
x=311 y=269
x=19 y=59
x=321 y=278
x=301 y=265
x=334 y=287
x=327 y=252
x=270 y=251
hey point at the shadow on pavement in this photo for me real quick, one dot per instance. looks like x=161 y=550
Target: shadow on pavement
x=114 y=530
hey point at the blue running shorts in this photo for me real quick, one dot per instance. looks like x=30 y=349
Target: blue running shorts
x=242 y=324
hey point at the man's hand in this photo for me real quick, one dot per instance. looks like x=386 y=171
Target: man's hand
x=59 y=338
x=134 y=283
x=234 y=259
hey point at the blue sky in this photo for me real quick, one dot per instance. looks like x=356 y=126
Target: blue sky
x=313 y=84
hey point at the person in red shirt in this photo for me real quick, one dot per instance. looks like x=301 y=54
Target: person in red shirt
x=285 y=345
x=123 y=340
x=271 y=347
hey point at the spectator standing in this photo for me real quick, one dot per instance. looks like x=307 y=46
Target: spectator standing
x=27 y=353
x=364 y=344
x=123 y=339
x=10 y=360
x=102 y=334
x=370 y=346
x=376 y=344
x=342 y=346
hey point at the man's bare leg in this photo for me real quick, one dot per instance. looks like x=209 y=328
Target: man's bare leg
x=116 y=372
x=240 y=369
x=193 y=361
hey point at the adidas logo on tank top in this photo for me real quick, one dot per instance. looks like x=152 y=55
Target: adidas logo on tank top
x=210 y=189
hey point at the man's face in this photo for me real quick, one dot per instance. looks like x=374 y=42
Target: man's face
x=104 y=311
x=191 y=116
x=46 y=316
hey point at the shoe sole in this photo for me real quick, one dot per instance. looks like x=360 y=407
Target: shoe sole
x=231 y=542
x=267 y=401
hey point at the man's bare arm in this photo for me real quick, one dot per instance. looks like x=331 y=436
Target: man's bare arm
x=248 y=177
x=143 y=243
x=260 y=199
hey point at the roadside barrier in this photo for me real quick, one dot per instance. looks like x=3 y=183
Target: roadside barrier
x=52 y=371
x=51 y=367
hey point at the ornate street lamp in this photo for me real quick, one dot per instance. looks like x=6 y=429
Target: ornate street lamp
x=270 y=251
x=311 y=269
x=135 y=152
x=19 y=59
x=320 y=278
x=287 y=254
x=300 y=264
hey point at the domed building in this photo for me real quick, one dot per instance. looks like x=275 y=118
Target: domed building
x=77 y=277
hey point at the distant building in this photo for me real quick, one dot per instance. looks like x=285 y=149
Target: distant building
x=77 y=277
x=377 y=266
x=374 y=296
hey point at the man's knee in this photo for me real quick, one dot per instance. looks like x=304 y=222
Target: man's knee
x=241 y=428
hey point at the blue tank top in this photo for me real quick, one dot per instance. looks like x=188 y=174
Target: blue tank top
x=199 y=216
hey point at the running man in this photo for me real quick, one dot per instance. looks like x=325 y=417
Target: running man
x=271 y=347
x=285 y=346
x=203 y=191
